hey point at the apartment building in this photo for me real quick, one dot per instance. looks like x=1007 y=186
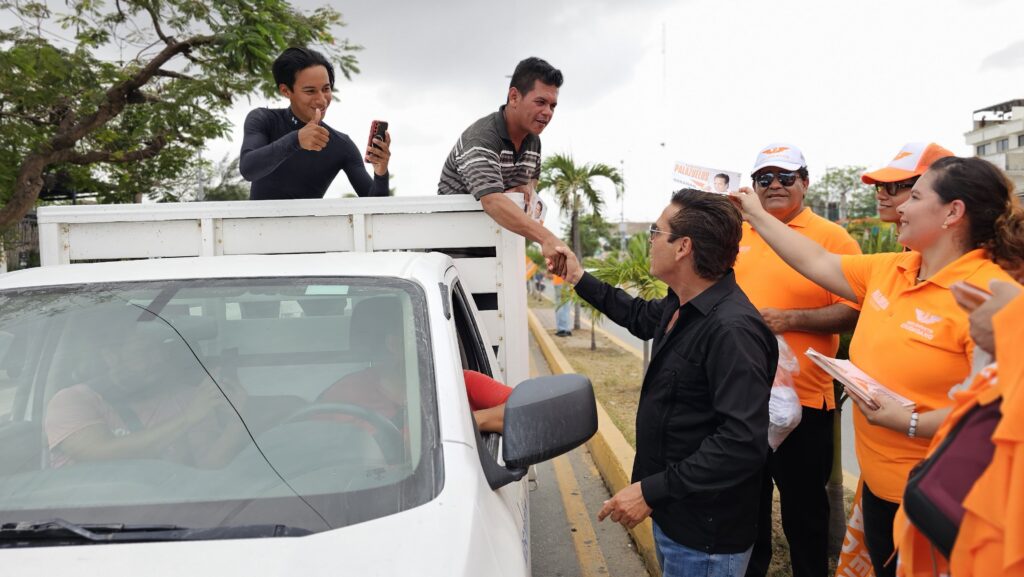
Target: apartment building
x=998 y=137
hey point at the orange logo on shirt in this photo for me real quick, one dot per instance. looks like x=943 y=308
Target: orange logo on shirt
x=776 y=150
x=902 y=154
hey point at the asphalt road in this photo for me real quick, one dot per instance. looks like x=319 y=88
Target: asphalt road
x=566 y=538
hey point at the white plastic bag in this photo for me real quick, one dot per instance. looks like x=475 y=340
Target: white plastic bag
x=784 y=408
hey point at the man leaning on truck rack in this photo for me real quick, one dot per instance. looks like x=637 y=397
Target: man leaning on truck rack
x=501 y=153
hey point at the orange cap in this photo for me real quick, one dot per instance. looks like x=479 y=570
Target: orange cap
x=912 y=160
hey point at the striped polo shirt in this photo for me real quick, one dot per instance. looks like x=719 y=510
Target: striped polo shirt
x=484 y=160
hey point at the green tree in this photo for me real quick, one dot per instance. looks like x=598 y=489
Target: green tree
x=874 y=236
x=594 y=234
x=573 y=189
x=631 y=271
x=119 y=95
x=225 y=182
x=203 y=180
x=593 y=315
x=842 y=189
x=533 y=253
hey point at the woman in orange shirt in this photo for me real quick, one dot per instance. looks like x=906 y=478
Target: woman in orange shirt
x=911 y=336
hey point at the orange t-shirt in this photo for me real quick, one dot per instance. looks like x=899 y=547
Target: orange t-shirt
x=771 y=283
x=913 y=339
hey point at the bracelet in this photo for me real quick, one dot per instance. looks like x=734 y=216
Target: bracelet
x=912 y=430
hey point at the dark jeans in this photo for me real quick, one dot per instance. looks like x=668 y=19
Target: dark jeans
x=800 y=469
x=878 y=518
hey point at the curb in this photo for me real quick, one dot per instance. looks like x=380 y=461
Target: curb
x=612 y=454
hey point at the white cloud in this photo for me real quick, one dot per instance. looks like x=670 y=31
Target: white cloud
x=1009 y=58
x=847 y=82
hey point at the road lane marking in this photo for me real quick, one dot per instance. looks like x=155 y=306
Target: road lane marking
x=584 y=539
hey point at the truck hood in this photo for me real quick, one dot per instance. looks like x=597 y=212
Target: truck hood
x=448 y=536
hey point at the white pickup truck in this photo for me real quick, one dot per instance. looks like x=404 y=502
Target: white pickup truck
x=271 y=388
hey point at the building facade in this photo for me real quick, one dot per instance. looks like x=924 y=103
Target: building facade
x=998 y=137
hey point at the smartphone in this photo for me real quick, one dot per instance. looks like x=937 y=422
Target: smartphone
x=377 y=130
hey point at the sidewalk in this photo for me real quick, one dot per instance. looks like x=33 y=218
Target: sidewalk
x=547 y=318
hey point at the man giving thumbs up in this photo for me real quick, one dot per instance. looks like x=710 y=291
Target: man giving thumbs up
x=291 y=153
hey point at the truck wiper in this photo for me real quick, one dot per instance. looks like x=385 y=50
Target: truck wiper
x=60 y=531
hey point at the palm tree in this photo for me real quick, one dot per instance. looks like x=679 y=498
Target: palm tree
x=593 y=315
x=631 y=271
x=574 y=191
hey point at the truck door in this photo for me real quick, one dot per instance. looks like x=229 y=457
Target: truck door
x=477 y=356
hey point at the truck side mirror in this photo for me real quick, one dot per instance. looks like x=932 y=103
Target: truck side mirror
x=546 y=417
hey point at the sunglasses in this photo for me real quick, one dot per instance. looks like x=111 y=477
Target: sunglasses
x=894 y=188
x=764 y=180
x=654 y=230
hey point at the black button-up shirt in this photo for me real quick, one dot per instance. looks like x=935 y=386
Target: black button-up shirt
x=702 y=420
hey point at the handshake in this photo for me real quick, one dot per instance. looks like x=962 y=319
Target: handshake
x=563 y=263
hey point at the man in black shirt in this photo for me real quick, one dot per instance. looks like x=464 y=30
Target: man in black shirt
x=702 y=420
x=291 y=153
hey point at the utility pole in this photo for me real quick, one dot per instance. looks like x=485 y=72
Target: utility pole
x=843 y=193
x=200 y=178
x=622 y=206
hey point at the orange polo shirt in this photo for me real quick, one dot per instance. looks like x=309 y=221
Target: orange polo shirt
x=990 y=542
x=991 y=538
x=913 y=339
x=771 y=283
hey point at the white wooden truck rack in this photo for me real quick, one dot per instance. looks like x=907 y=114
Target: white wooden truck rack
x=490 y=259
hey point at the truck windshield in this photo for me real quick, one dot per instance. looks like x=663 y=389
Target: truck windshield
x=302 y=402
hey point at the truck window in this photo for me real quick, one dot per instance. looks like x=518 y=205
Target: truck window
x=305 y=402
x=471 y=344
x=474 y=356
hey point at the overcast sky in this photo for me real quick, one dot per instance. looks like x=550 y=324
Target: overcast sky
x=650 y=82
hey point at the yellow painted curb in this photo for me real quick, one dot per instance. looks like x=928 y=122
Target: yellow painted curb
x=584 y=539
x=609 y=449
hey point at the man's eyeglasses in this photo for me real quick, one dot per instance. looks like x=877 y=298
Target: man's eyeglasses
x=894 y=188
x=764 y=180
x=654 y=230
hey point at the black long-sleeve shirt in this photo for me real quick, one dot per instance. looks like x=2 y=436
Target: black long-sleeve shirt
x=280 y=169
x=702 y=420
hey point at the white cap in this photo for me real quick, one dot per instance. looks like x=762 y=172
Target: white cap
x=780 y=155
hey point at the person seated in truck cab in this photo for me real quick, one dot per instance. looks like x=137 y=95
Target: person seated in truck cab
x=150 y=400
x=131 y=410
x=376 y=333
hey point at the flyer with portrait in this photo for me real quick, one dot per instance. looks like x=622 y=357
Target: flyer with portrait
x=704 y=178
x=537 y=210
